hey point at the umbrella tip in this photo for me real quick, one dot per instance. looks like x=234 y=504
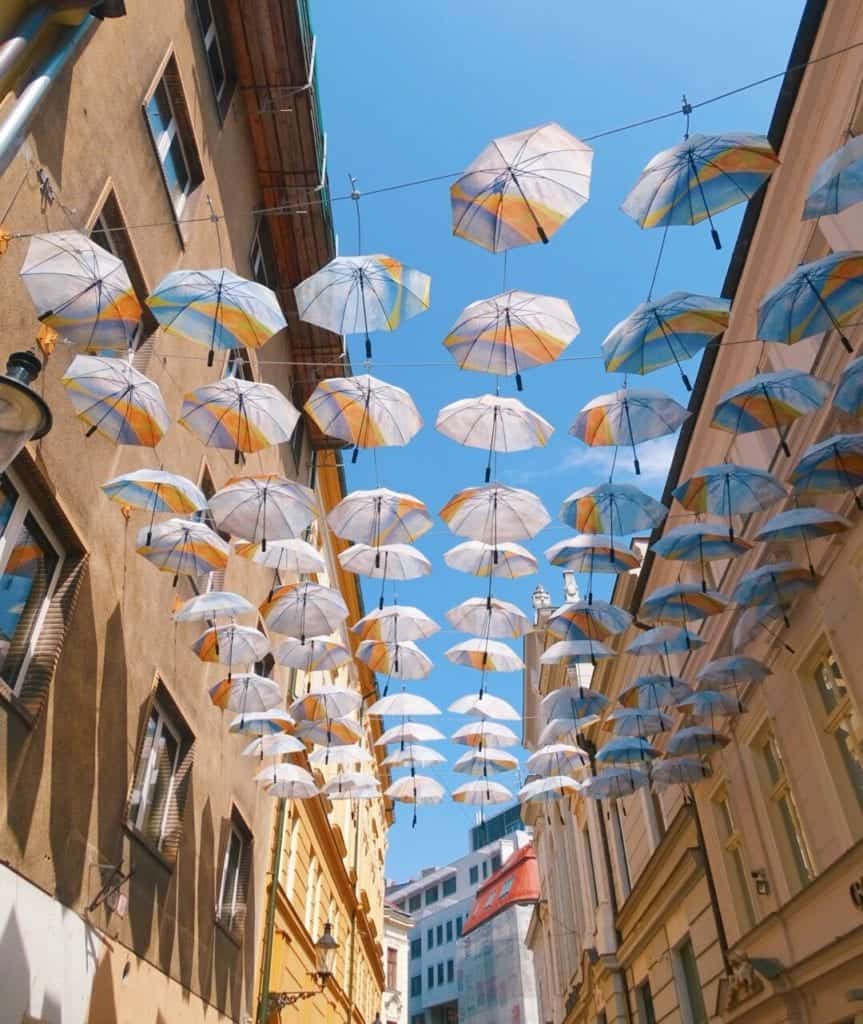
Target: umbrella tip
x=519 y=386
x=540 y=230
x=714 y=234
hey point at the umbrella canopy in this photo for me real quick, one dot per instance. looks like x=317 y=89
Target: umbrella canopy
x=352 y=786
x=395 y=622
x=401 y=660
x=324 y=703
x=521 y=188
x=263 y=507
x=802 y=524
x=416 y=789
x=815 y=298
x=592 y=552
x=316 y=654
x=116 y=401
x=615 y=783
x=81 y=290
x=154 y=490
x=838 y=182
x=775 y=583
x=415 y=754
x=481 y=792
x=549 y=789
x=695 y=741
x=364 y=411
x=263 y=723
x=495 y=512
x=402 y=705
x=359 y=294
x=834 y=466
x=614 y=509
x=573 y=702
x=700 y=177
x=484 y=705
x=239 y=415
x=511 y=332
x=485 y=655
x=575 y=652
x=210 y=606
x=626 y=417
x=626 y=750
x=557 y=759
x=294 y=557
x=654 y=691
x=409 y=732
x=274 y=746
x=665 y=640
x=665 y=331
x=387 y=561
x=849 y=391
x=638 y=721
x=216 y=308
x=681 y=603
x=232 y=645
x=770 y=401
x=728 y=490
x=707 y=703
x=304 y=609
x=506 y=560
x=331 y=732
x=489 y=616
x=485 y=733
x=578 y=620
x=732 y=671
x=379 y=516
x=287 y=782
x=183 y=547
x=680 y=771
x=754 y=621
x=289 y=789
x=699 y=542
x=484 y=762
x=246 y=692
x=565 y=729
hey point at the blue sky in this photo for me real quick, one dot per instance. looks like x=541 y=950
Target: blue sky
x=411 y=90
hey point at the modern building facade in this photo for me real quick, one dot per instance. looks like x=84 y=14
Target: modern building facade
x=397 y=954
x=137 y=853
x=743 y=905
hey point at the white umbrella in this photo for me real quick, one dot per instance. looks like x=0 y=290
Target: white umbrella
x=246 y=692
x=184 y=547
x=351 y=753
x=575 y=652
x=402 y=705
x=293 y=556
x=494 y=513
x=416 y=790
x=615 y=783
x=232 y=645
x=478 y=734
x=394 y=623
x=557 y=759
x=409 y=732
x=506 y=560
x=413 y=753
x=283 y=770
x=273 y=746
x=484 y=706
x=574 y=702
x=379 y=516
x=388 y=561
x=485 y=761
x=208 y=607
x=489 y=616
x=481 y=792
x=288 y=782
x=565 y=729
x=486 y=655
x=331 y=732
x=352 y=786
x=263 y=723
x=696 y=740
x=707 y=703
x=262 y=508
x=551 y=788
x=680 y=771
x=315 y=654
x=639 y=721
x=304 y=609
x=402 y=660
x=325 y=702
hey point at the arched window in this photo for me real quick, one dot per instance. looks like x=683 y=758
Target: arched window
x=317 y=927
x=310 y=894
x=293 y=844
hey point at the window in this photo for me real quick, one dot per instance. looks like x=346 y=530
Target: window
x=414 y=902
x=31 y=559
x=689 y=990
x=840 y=721
x=644 y=1000
x=262 y=256
x=440 y=973
x=416 y=986
x=591 y=869
x=783 y=812
x=458 y=927
x=735 y=866
x=431 y=895
x=439 y=935
x=218 y=51
x=291 y=868
x=450 y=970
x=231 y=905
x=620 y=849
x=161 y=777
x=392 y=968
x=449 y=885
x=485 y=869
x=238 y=364
x=495 y=861
x=430 y=939
x=473 y=875
x=449 y=931
x=506 y=888
x=430 y=978
x=310 y=893
x=171 y=132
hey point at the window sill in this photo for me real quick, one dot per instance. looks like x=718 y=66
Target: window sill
x=14 y=703
x=235 y=938
x=149 y=846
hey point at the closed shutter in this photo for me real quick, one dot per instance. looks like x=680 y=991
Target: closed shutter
x=244 y=883
x=174 y=804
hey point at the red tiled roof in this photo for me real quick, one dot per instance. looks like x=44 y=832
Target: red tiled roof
x=517 y=881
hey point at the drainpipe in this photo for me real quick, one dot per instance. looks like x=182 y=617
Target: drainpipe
x=14 y=129
x=13 y=49
x=267 y=966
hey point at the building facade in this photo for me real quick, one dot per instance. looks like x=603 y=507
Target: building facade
x=397 y=953
x=137 y=852
x=743 y=904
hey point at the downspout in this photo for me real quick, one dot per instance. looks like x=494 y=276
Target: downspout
x=14 y=48
x=275 y=870
x=14 y=129
x=356 y=907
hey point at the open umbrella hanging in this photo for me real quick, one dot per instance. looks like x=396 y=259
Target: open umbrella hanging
x=484 y=705
x=849 y=390
x=414 y=753
x=495 y=512
x=557 y=759
x=264 y=507
x=838 y=182
x=728 y=490
x=833 y=466
x=680 y=771
x=409 y=732
x=246 y=692
x=481 y=792
x=639 y=722
x=330 y=732
x=395 y=622
x=400 y=660
x=315 y=654
x=710 y=704
x=626 y=750
x=263 y=723
x=353 y=786
x=681 y=603
x=213 y=605
x=756 y=620
x=485 y=762
x=288 y=782
x=696 y=741
x=579 y=620
x=775 y=583
x=614 y=509
x=403 y=705
x=485 y=655
x=274 y=746
x=325 y=703
x=232 y=645
x=665 y=640
x=350 y=754
x=183 y=547
x=654 y=691
x=293 y=557
x=592 y=553
x=699 y=542
x=155 y=491
x=417 y=790
x=615 y=783
x=549 y=789
x=484 y=733
x=574 y=703
x=802 y=525
x=387 y=561
x=304 y=609
x=379 y=516
x=575 y=652
x=505 y=559
x=732 y=672
x=489 y=617
x=565 y=729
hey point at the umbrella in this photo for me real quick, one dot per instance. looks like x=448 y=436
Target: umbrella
x=495 y=424
x=521 y=188
x=325 y=703
x=573 y=702
x=495 y=512
x=614 y=509
x=154 y=490
x=239 y=415
x=681 y=603
x=359 y=294
x=409 y=732
x=403 y=704
x=353 y=786
x=511 y=332
x=680 y=771
x=549 y=789
x=654 y=691
x=578 y=620
x=401 y=660
x=849 y=391
x=626 y=418
x=415 y=789
x=663 y=331
x=665 y=640
x=184 y=547
x=705 y=703
x=232 y=645
x=395 y=622
x=293 y=556
x=81 y=290
x=288 y=782
x=274 y=745
x=575 y=652
x=419 y=756
x=699 y=542
x=379 y=517
x=331 y=732
x=700 y=177
x=752 y=621
x=216 y=308
x=507 y=560
x=728 y=490
x=364 y=411
x=838 y=182
x=489 y=616
x=834 y=466
x=290 y=789
x=615 y=783
x=775 y=583
x=817 y=297
x=263 y=507
x=733 y=671
x=557 y=759
x=484 y=705
x=387 y=561
x=481 y=792
x=565 y=729
x=485 y=761
x=590 y=553
x=802 y=524
x=315 y=654
x=263 y=723
x=485 y=733
x=695 y=741
x=304 y=609
x=207 y=607
x=246 y=692
x=638 y=721
x=486 y=655
x=626 y=750
x=111 y=397
x=351 y=753
x=770 y=401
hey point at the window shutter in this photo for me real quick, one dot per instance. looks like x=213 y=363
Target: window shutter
x=176 y=804
x=243 y=885
x=144 y=352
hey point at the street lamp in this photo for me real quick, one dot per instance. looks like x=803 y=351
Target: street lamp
x=24 y=415
x=326 y=949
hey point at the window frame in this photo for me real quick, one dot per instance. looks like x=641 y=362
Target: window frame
x=734 y=858
x=416 y=986
x=145 y=806
x=449 y=886
x=237 y=829
x=214 y=34
x=689 y=1013
x=644 y=1002
x=392 y=969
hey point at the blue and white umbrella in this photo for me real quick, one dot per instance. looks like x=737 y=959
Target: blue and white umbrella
x=838 y=182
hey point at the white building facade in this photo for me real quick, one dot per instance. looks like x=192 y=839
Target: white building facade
x=394 y=1002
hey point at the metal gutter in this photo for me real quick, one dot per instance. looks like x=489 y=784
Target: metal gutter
x=801 y=52
x=22 y=38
